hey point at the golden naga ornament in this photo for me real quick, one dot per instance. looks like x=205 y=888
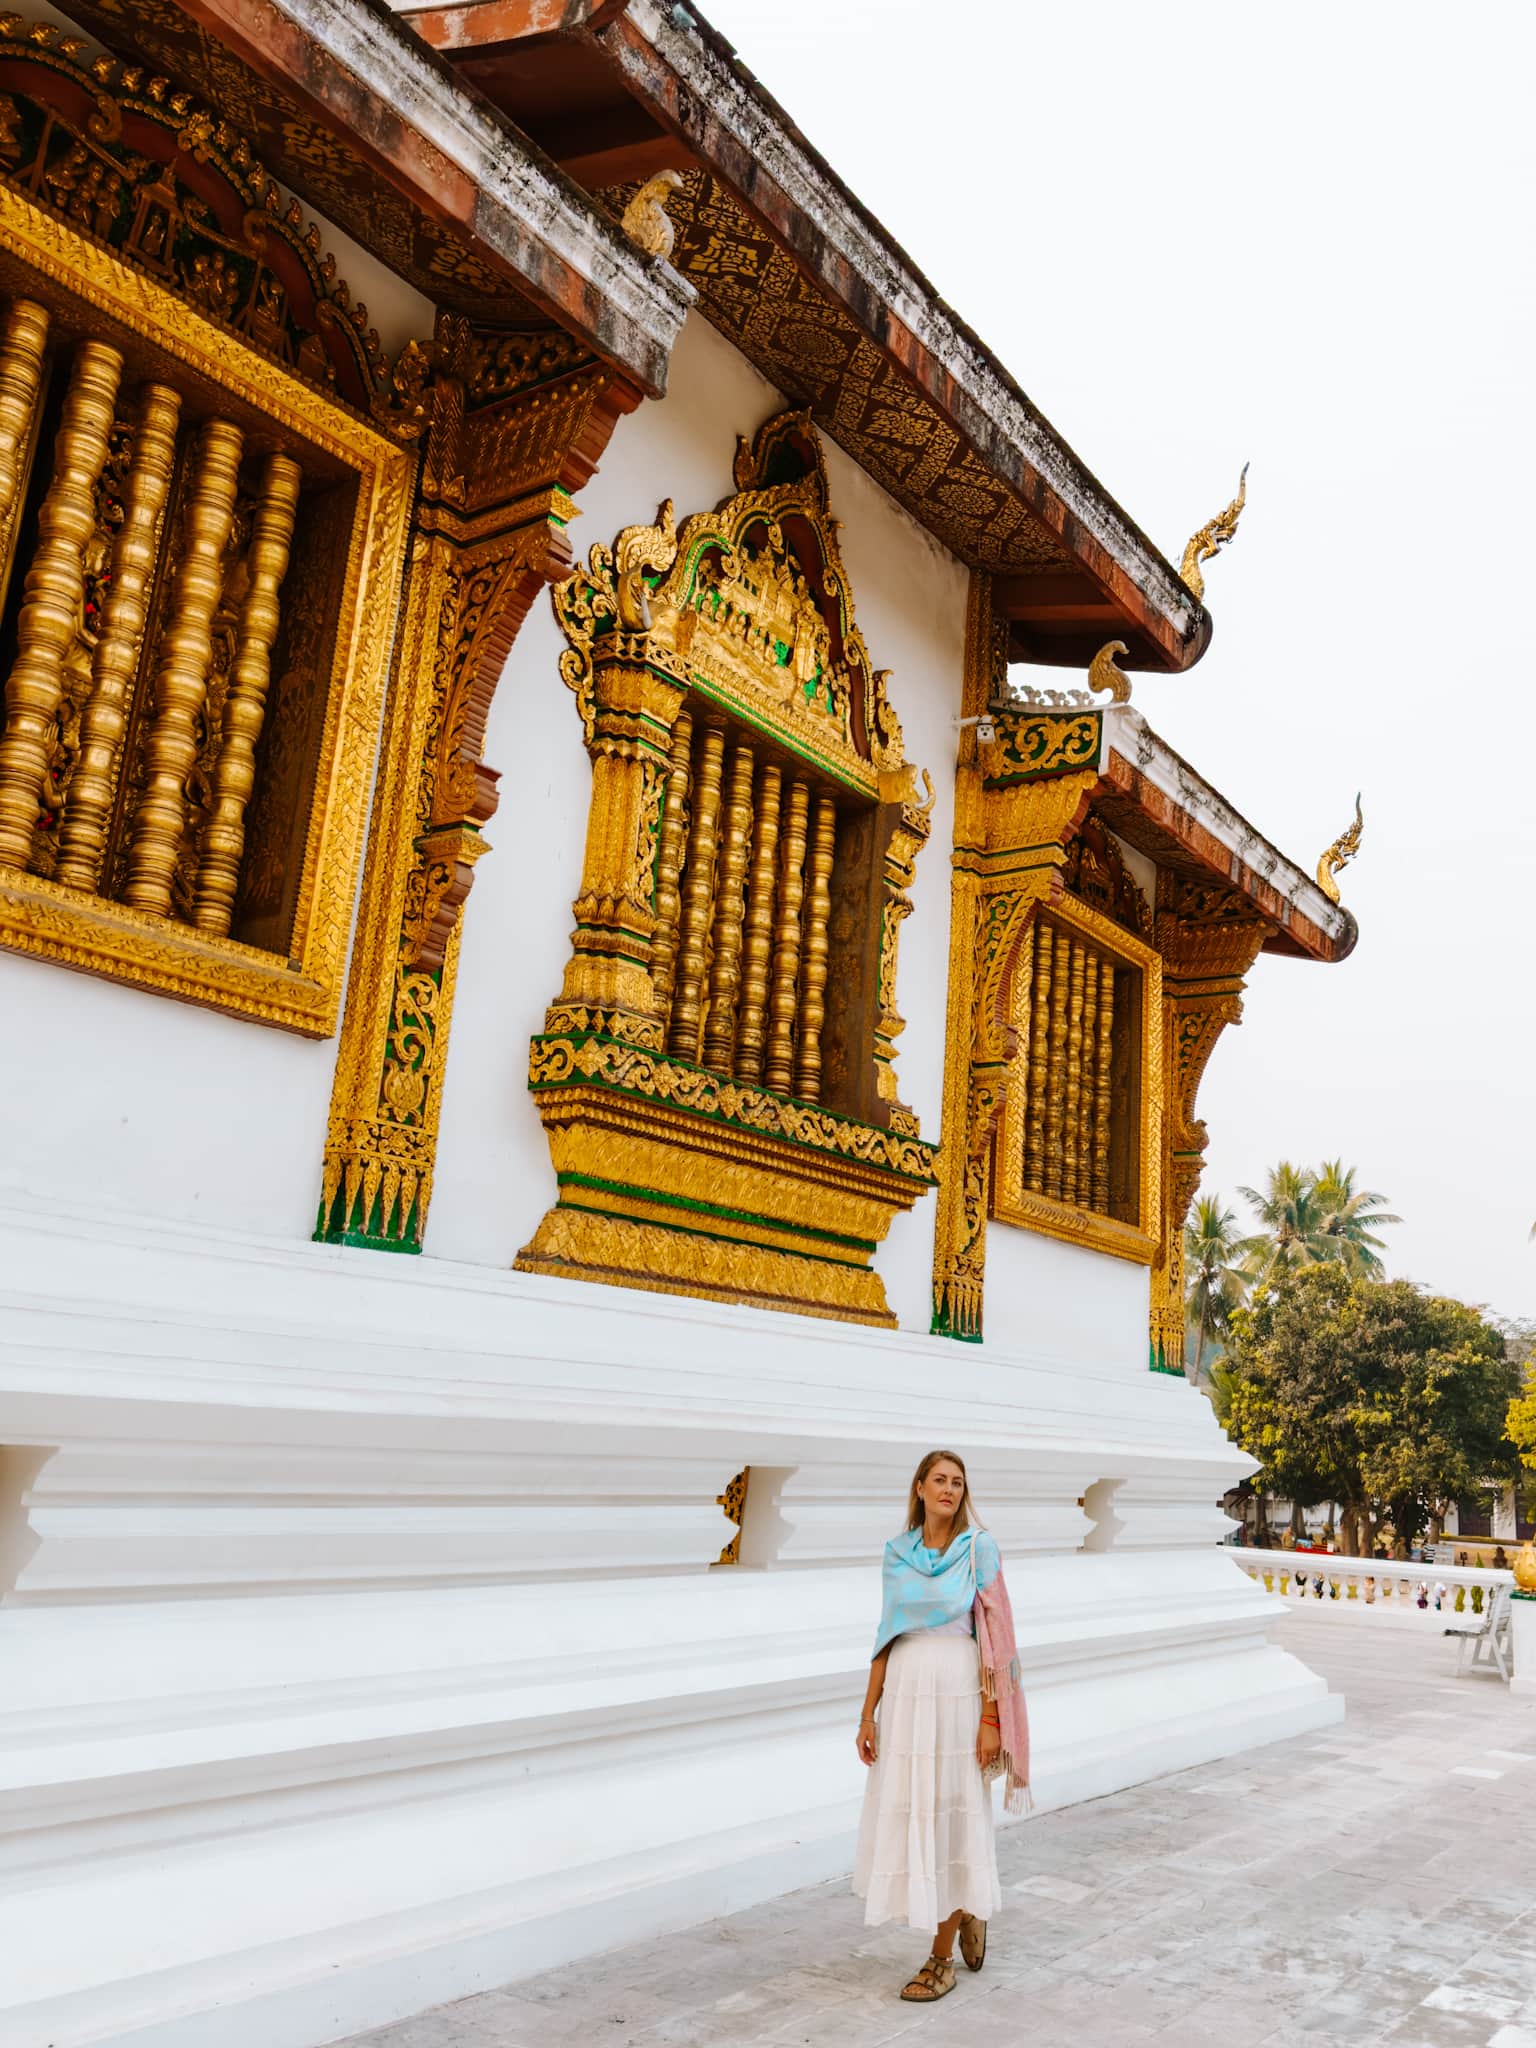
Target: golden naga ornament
x=645 y=218
x=1339 y=855
x=1212 y=538
x=1103 y=673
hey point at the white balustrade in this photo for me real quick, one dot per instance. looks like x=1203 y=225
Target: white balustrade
x=1439 y=1593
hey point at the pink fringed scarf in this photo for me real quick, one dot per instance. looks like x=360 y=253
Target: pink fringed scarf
x=1000 y=1682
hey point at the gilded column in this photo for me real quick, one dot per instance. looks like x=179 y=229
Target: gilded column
x=779 y=1071
x=1056 y=1077
x=1101 y=1098
x=1039 y=1038
x=82 y=833
x=181 y=681
x=245 y=706
x=52 y=594
x=609 y=972
x=687 y=1020
x=21 y=376
x=1073 y=1091
x=669 y=862
x=1086 y=1111
x=813 y=980
x=730 y=910
x=752 y=1023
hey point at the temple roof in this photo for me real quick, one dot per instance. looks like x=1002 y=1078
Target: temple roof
x=817 y=294
x=1157 y=803
x=483 y=152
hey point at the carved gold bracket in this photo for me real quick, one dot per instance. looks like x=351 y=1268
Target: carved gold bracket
x=515 y=423
x=1208 y=938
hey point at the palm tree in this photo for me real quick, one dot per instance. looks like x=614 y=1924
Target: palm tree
x=1293 y=1218
x=1213 y=1249
x=1349 y=1217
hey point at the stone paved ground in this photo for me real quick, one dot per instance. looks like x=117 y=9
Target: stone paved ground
x=1375 y=1885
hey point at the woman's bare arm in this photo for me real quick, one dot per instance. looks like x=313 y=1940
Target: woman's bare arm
x=865 y=1740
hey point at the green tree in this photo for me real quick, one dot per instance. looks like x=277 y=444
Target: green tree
x=1350 y=1215
x=1292 y=1219
x=1367 y=1392
x=1312 y=1218
x=1214 y=1283
x=1520 y=1423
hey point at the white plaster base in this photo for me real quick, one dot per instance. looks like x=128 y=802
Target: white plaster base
x=360 y=1649
x=1522 y=1643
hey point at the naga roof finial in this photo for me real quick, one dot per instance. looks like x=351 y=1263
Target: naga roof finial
x=1212 y=537
x=1340 y=854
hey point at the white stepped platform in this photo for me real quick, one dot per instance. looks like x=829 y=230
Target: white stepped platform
x=358 y=1646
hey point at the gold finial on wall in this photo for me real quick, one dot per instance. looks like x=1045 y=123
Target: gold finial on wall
x=1339 y=855
x=1212 y=537
x=1103 y=674
x=645 y=218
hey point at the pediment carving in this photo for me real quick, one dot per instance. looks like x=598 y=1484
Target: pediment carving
x=749 y=605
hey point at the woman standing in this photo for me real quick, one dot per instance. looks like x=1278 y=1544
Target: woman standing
x=949 y=1720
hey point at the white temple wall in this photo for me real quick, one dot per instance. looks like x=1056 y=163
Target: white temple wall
x=1063 y=1302
x=493 y=1179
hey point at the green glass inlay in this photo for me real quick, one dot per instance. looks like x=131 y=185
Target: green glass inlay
x=628 y=1190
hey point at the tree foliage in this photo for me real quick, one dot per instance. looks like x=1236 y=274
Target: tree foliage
x=1520 y=1343
x=1213 y=1262
x=1313 y=1217
x=1368 y=1392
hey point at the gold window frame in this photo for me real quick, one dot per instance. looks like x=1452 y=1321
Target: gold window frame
x=1012 y=1202
x=90 y=292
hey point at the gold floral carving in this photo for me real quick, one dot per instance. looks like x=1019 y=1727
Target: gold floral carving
x=123 y=156
x=512 y=426
x=127 y=312
x=750 y=844
x=734 y=1502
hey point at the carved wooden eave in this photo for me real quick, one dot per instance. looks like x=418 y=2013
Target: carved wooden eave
x=373 y=129
x=810 y=287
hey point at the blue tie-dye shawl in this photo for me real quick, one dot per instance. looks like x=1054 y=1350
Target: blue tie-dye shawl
x=920 y=1590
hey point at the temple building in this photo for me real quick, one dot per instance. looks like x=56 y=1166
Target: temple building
x=589 y=989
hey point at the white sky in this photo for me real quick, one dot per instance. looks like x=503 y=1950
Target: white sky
x=1299 y=234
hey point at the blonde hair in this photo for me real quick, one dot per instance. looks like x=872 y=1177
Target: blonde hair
x=963 y=1516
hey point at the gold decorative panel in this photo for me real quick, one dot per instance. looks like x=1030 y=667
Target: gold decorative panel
x=717 y=1075
x=1079 y=1145
x=200 y=552
x=513 y=423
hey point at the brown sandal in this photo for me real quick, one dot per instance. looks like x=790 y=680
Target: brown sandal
x=973 y=1941
x=936 y=1979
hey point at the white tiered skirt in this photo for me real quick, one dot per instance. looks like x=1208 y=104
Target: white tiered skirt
x=926 y=1846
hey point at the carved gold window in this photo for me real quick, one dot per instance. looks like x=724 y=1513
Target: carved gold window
x=716 y=1076
x=198 y=557
x=1078 y=1147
